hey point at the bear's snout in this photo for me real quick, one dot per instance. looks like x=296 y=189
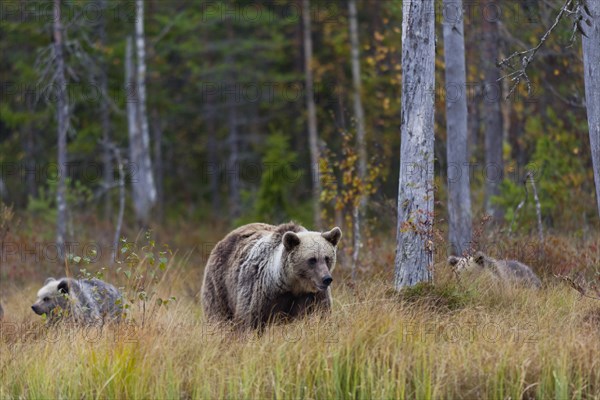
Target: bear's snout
x=327 y=280
x=36 y=309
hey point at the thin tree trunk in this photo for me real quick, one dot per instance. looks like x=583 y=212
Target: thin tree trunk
x=359 y=115
x=62 y=117
x=119 y=223
x=492 y=96
x=358 y=107
x=591 y=61
x=158 y=164
x=414 y=246
x=312 y=115
x=135 y=139
x=459 y=190
x=538 y=209
x=144 y=189
x=107 y=168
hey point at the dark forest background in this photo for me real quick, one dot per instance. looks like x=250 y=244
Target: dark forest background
x=227 y=113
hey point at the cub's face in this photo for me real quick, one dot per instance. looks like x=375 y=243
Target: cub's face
x=467 y=264
x=311 y=259
x=51 y=296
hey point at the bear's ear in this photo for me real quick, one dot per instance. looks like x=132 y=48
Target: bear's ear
x=479 y=258
x=63 y=287
x=48 y=281
x=290 y=240
x=333 y=236
x=452 y=260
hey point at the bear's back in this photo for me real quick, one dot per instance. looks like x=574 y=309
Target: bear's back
x=233 y=248
x=103 y=295
x=522 y=272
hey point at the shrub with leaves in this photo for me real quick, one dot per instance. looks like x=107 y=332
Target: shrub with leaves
x=342 y=187
x=144 y=267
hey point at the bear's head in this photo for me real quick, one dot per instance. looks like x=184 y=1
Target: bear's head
x=468 y=264
x=52 y=297
x=310 y=259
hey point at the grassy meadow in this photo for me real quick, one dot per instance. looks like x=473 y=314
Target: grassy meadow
x=467 y=338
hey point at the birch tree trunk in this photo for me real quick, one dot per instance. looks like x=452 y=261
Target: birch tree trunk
x=62 y=117
x=591 y=65
x=133 y=128
x=414 y=246
x=144 y=189
x=492 y=113
x=359 y=115
x=312 y=115
x=459 y=192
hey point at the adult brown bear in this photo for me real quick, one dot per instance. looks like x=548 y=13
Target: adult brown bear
x=259 y=273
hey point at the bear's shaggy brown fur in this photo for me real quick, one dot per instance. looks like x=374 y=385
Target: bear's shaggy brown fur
x=260 y=273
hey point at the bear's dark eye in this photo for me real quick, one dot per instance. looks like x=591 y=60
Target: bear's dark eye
x=46 y=298
x=312 y=261
x=327 y=260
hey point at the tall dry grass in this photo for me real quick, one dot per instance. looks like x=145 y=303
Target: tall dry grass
x=474 y=340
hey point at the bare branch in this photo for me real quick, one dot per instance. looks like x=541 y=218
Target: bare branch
x=527 y=56
x=581 y=289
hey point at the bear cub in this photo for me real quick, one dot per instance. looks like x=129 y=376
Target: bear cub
x=505 y=270
x=82 y=301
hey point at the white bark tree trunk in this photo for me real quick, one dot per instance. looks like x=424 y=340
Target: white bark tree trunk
x=459 y=192
x=414 y=246
x=62 y=117
x=591 y=65
x=144 y=189
x=140 y=203
x=359 y=116
x=312 y=115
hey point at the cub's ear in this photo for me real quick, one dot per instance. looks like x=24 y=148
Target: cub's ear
x=48 y=281
x=290 y=240
x=333 y=236
x=63 y=287
x=452 y=260
x=479 y=258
